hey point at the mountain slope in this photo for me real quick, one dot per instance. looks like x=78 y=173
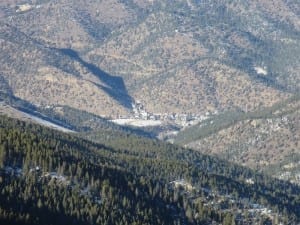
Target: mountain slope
x=68 y=23
x=48 y=76
x=207 y=56
x=173 y=56
x=266 y=140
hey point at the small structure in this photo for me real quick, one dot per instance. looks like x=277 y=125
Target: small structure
x=249 y=181
x=182 y=184
x=23 y=8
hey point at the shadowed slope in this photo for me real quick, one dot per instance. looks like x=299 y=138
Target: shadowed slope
x=114 y=85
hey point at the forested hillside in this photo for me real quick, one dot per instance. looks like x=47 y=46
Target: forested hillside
x=266 y=140
x=131 y=180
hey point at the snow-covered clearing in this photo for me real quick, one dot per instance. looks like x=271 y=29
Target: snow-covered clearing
x=137 y=122
x=18 y=114
x=260 y=70
x=48 y=124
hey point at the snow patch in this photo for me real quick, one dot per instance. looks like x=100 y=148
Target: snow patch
x=137 y=123
x=24 y=7
x=261 y=70
x=48 y=124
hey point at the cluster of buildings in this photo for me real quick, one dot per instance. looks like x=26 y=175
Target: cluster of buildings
x=140 y=113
